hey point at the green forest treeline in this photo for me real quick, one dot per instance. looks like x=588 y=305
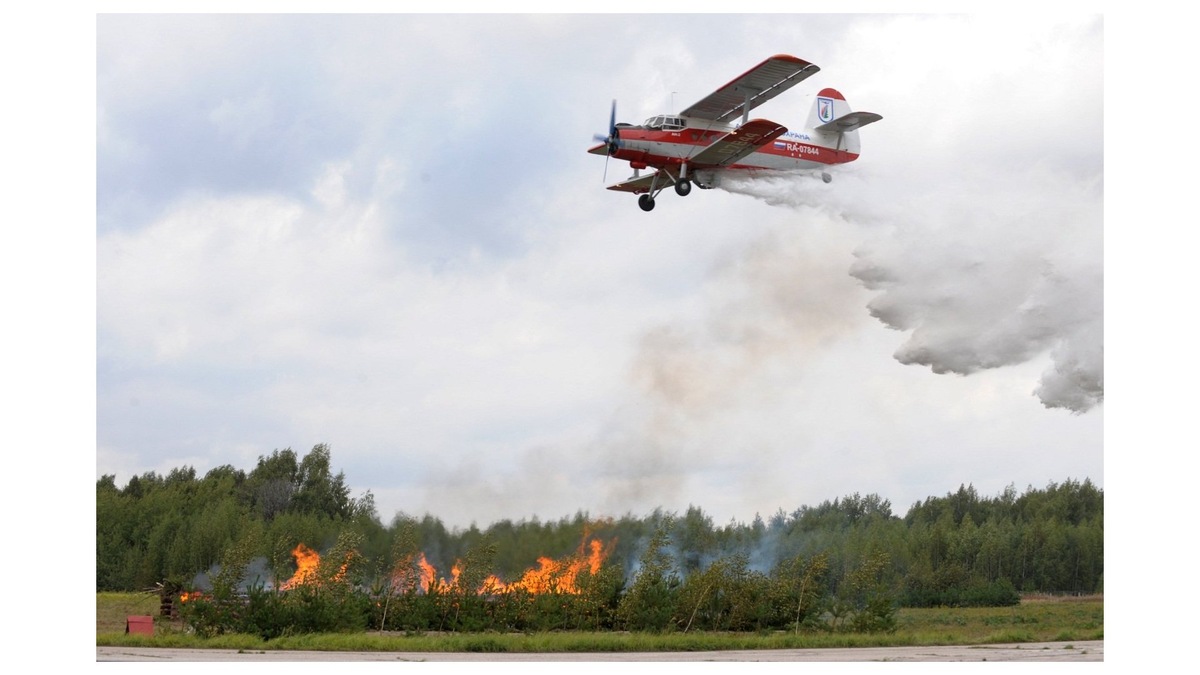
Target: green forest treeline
x=176 y=529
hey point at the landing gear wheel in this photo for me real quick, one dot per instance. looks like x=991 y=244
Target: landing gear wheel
x=646 y=202
x=683 y=188
x=826 y=177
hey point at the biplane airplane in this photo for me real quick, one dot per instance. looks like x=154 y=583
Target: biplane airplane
x=716 y=136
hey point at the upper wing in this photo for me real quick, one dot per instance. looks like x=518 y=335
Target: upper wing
x=752 y=89
x=738 y=143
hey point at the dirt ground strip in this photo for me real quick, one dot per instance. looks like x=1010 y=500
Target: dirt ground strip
x=1049 y=652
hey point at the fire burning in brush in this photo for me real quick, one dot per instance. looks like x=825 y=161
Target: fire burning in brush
x=550 y=576
x=415 y=573
x=308 y=562
x=556 y=575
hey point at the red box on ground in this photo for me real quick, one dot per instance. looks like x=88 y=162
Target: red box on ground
x=139 y=624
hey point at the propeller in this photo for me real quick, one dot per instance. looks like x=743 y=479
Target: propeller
x=613 y=139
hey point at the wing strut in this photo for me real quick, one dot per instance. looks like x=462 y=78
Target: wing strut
x=750 y=93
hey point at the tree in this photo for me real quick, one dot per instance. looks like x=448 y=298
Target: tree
x=725 y=596
x=402 y=572
x=317 y=489
x=866 y=597
x=221 y=610
x=650 y=602
x=463 y=595
x=599 y=597
x=273 y=482
x=800 y=587
x=693 y=536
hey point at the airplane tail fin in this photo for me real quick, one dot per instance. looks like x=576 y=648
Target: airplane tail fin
x=833 y=120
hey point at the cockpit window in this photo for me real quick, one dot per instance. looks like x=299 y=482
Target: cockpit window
x=664 y=122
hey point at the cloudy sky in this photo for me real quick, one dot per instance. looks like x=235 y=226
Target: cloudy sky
x=384 y=233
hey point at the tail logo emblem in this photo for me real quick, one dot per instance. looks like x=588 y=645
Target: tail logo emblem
x=825 y=109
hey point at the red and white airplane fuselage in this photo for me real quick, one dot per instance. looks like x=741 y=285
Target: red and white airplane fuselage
x=703 y=142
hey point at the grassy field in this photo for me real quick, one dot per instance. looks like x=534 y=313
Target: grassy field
x=1034 y=620
x=112 y=608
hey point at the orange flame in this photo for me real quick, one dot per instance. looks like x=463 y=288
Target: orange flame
x=405 y=577
x=415 y=572
x=558 y=575
x=430 y=582
x=550 y=576
x=308 y=562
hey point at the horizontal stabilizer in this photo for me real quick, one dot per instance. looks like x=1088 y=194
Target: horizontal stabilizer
x=850 y=122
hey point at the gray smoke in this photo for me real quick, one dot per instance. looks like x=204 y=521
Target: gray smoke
x=781 y=295
x=775 y=302
x=256 y=573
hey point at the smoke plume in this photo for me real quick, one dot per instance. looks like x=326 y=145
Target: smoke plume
x=768 y=307
x=981 y=274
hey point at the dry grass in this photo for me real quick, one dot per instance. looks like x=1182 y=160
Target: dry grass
x=113 y=608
